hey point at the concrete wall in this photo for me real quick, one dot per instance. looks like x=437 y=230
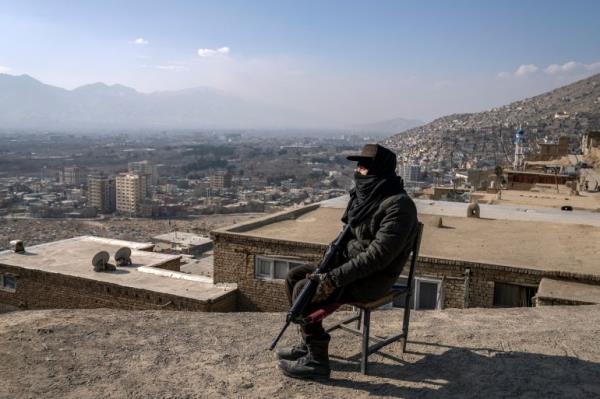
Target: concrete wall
x=42 y=290
x=464 y=284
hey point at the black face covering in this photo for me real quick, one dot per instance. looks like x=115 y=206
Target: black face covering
x=370 y=190
x=367 y=195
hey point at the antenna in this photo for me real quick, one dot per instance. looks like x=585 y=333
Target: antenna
x=123 y=256
x=100 y=260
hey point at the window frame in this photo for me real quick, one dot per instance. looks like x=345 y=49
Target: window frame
x=438 y=297
x=271 y=261
x=3 y=286
x=416 y=288
x=530 y=301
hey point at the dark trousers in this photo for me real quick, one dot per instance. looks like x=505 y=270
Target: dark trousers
x=295 y=281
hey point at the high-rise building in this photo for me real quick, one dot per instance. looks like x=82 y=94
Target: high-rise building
x=102 y=193
x=409 y=173
x=131 y=192
x=220 y=180
x=146 y=168
x=71 y=176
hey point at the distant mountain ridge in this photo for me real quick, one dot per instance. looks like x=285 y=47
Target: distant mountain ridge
x=570 y=111
x=26 y=103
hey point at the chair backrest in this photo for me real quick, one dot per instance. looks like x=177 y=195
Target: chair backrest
x=413 y=260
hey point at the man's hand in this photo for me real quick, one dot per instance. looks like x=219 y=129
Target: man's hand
x=325 y=287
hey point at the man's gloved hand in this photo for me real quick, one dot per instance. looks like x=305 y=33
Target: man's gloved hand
x=325 y=287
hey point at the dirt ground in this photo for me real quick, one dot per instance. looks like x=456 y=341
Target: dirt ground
x=550 y=352
x=37 y=231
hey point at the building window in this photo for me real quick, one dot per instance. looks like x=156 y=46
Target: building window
x=267 y=267
x=263 y=268
x=427 y=294
x=513 y=295
x=8 y=283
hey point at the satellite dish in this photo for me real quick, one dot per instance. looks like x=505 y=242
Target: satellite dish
x=17 y=246
x=123 y=256
x=100 y=260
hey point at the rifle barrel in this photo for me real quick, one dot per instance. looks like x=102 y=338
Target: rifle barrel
x=308 y=291
x=276 y=340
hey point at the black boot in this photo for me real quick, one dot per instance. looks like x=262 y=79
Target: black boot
x=314 y=365
x=292 y=353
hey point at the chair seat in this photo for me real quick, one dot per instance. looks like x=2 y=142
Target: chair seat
x=392 y=294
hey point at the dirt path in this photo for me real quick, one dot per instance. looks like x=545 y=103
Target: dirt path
x=549 y=352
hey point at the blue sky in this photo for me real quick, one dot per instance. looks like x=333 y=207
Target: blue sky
x=347 y=61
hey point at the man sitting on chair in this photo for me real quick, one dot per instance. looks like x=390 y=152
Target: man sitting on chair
x=384 y=223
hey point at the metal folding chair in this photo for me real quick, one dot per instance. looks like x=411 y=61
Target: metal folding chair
x=363 y=315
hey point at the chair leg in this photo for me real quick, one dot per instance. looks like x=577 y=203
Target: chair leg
x=405 y=323
x=366 y=316
x=359 y=320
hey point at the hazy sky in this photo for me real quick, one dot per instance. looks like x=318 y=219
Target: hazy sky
x=348 y=61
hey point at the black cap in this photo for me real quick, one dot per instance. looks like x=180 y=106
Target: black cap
x=368 y=153
x=378 y=159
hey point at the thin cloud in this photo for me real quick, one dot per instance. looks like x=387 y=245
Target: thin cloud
x=522 y=71
x=4 y=69
x=208 y=52
x=571 y=67
x=525 y=70
x=140 y=41
x=172 y=68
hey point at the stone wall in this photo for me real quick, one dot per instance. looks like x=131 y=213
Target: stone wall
x=42 y=290
x=464 y=284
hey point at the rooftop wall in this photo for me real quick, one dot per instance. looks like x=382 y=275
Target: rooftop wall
x=38 y=289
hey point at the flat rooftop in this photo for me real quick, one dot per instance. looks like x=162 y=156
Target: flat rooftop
x=529 y=244
x=183 y=238
x=569 y=291
x=586 y=201
x=73 y=257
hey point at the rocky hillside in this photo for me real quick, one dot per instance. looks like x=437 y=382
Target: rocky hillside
x=549 y=352
x=486 y=137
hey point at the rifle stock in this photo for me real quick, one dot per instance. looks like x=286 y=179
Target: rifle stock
x=309 y=289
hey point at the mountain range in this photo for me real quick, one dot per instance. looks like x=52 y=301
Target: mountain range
x=26 y=103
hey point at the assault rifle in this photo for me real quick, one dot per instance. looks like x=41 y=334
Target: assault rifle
x=309 y=290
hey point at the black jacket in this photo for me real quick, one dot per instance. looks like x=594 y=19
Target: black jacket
x=378 y=250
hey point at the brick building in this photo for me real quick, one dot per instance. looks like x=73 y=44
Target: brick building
x=549 y=151
x=467 y=263
x=523 y=180
x=60 y=275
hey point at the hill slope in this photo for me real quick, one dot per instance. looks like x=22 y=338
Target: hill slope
x=544 y=352
x=389 y=126
x=487 y=136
